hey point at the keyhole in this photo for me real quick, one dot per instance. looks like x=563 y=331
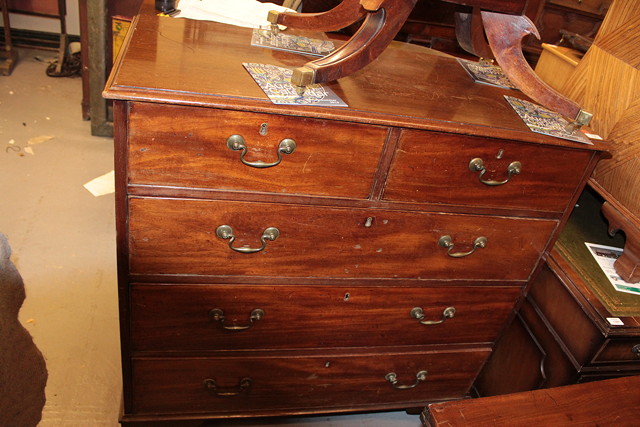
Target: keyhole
x=499 y=155
x=346 y=296
x=263 y=129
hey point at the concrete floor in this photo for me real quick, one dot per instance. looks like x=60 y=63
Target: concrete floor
x=63 y=241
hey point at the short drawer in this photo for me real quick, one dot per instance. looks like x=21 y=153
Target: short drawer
x=187 y=147
x=432 y=167
x=216 y=317
x=620 y=350
x=185 y=236
x=242 y=385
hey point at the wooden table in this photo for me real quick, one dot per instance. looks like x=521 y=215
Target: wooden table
x=614 y=402
x=393 y=268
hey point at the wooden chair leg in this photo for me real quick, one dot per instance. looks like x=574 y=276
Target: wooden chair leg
x=470 y=34
x=505 y=33
x=341 y=16
x=375 y=34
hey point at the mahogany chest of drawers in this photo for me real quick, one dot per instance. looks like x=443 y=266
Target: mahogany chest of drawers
x=346 y=259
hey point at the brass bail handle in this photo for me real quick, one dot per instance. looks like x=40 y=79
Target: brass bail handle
x=447 y=242
x=226 y=232
x=418 y=313
x=636 y=350
x=218 y=315
x=477 y=165
x=237 y=143
x=243 y=385
x=392 y=377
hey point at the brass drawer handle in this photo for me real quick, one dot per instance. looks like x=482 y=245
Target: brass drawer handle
x=447 y=242
x=243 y=385
x=636 y=350
x=226 y=232
x=418 y=313
x=477 y=165
x=392 y=377
x=237 y=143
x=218 y=315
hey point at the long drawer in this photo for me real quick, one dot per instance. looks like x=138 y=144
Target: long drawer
x=261 y=382
x=184 y=236
x=216 y=317
x=431 y=167
x=329 y=159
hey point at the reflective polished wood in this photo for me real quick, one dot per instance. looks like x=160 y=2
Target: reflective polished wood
x=375 y=275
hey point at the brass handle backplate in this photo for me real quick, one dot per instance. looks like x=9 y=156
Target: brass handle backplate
x=218 y=315
x=447 y=242
x=477 y=165
x=392 y=377
x=636 y=349
x=226 y=232
x=237 y=143
x=243 y=386
x=418 y=313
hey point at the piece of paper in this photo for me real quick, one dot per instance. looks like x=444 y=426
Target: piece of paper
x=542 y=120
x=241 y=13
x=275 y=82
x=605 y=256
x=104 y=184
x=482 y=72
x=291 y=43
x=40 y=139
x=615 y=321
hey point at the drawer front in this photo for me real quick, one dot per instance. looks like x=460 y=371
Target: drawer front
x=209 y=317
x=620 y=350
x=330 y=158
x=180 y=236
x=266 y=383
x=435 y=168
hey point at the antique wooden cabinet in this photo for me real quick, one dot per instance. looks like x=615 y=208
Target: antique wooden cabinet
x=573 y=326
x=371 y=267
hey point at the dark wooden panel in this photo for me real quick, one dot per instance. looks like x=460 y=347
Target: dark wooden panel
x=557 y=366
x=526 y=357
x=326 y=381
x=330 y=158
x=514 y=364
x=570 y=322
x=434 y=167
x=620 y=350
x=605 y=403
x=179 y=237
x=313 y=316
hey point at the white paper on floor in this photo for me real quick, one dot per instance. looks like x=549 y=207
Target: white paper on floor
x=104 y=184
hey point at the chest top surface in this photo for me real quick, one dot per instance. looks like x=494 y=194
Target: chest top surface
x=181 y=61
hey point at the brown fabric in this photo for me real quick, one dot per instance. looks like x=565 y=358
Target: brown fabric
x=23 y=372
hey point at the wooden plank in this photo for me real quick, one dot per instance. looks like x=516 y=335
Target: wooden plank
x=609 y=402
